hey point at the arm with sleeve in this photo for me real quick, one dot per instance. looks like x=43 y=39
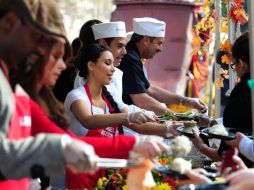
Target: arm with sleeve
x=18 y=157
x=246 y=147
x=119 y=146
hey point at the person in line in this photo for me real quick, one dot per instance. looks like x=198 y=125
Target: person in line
x=237 y=113
x=146 y=41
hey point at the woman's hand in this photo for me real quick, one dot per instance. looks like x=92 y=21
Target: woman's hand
x=197 y=141
x=235 y=143
x=139 y=118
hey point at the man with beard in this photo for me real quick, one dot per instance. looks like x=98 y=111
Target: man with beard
x=146 y=41
x=27 y=31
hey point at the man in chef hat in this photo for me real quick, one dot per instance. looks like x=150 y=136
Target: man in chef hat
x=146 y=41
x=112 y=35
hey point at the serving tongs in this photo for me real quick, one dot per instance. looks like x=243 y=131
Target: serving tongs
x=117 y=163
x=123 y=163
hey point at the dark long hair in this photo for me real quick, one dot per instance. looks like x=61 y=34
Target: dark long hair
x=29 y=81
x=92 y=52
x=86 y=35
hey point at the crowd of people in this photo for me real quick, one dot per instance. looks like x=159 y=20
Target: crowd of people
x=52 y=128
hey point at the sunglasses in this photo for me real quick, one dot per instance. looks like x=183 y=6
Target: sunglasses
x=233 y=64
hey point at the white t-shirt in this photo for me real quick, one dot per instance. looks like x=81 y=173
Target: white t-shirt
x=114 y=87
x=80 y=94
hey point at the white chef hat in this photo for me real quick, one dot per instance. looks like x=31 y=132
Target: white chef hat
x=129 y=35
x=109 y=30
x=147 y=26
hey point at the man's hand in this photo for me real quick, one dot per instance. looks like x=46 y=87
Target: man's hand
x=196 y=103
x=80 y=157
x=204 y=120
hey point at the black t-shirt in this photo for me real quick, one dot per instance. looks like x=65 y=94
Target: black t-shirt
x=134 y=80
x=237 y=113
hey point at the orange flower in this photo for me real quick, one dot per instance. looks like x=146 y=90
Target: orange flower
x=238 y=14
x=225 y=1
x=226 y=59
x=226 y=46
x=219 y=83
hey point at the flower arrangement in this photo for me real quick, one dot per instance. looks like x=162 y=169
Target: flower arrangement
x=238 y=15
x=224 y=59
x=116 y=178
x=237 y=12
x=117 y=181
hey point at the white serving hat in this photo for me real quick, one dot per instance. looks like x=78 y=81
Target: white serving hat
x=129 y=35
x=109 y=30
x=147 y=26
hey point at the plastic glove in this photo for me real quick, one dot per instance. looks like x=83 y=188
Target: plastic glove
x=80 y=157
x=139 y=118
x=149 y=146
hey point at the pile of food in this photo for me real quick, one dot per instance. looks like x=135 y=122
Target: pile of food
x=189 y=126
x=180 y=165
x=181 y=146
x=186 y=116
x=218 y=130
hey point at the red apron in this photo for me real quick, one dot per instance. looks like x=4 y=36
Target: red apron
x=20 y=127
x=106 y=132
x=88 y=181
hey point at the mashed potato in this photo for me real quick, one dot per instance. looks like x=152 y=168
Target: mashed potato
x=181 y=146
x=180 y=165
x=218 y=130
x=189 y=129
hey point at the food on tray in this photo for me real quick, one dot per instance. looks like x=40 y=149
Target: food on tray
x=189 y=126
x=186 y=116
x=191 y=123
x=181 y=146
x=140 y=178
x=218 y=130
x=180 y=165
